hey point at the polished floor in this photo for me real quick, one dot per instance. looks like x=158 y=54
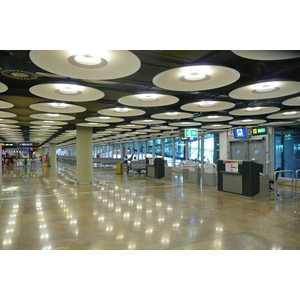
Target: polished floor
x=41 y=208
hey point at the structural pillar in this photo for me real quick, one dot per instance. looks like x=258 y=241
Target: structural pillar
x=52 y=154
x=84 y=155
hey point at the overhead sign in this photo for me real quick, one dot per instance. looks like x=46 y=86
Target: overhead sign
x=259 y=130
x=190 y=133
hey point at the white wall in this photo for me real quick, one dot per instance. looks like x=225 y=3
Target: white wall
x=223 y=140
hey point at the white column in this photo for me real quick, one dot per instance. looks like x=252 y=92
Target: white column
x=223 y=142
x=84 y=155
x=52 y=154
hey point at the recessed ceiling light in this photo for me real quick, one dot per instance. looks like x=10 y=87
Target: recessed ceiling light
x=196 y=73
x=59 y=105
x=253 y=108
x=216 y=125
x=148 y=97
x=265 y=87
x=290 y=113
x=87 y=59
x=92 y=123
x=207 y=103
x=119 y=109
x=171 y=113
x=69 y=89
x=247 y=120
x=194 y=76
x=213 y=117
x=104 y=118
x=53 y=115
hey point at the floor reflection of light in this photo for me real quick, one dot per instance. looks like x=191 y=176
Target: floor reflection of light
x=101 y=218
x=161 y=219
x=137 y=223
x=176 y=225
x=44 y=236
x=149 y=230
x=139 y=207
x=131 y=246
x=165 y=241
x=109 y=228
x=119 y=237
x=47 y=248
x=7 y=242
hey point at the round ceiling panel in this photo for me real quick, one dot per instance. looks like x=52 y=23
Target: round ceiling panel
x=148 y=100
x=48 y=122
x=289 y=114
x=57 y=107
x=66 y=92
x=121 y=112
x=213 y=118
x=292 y=102
x=3 y=87
x=104 y=119
x=207 y=105
x=5 y=114
x=185 y=124
x=254 y=111
x=92 y=124
x=172 y=115
x=216 y=126
x=52 y=117
x=196 y=78
x=107 y=64
x=267 y=54
x=147 y=122
x=266 y=90
x=247 y=122
x=4 y=104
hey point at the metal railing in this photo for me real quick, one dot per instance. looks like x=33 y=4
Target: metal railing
x=296 y=181
x=275 y=181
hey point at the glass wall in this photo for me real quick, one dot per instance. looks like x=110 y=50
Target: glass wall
x=149 y=148
x=287 y=150
x=158 y=148
x=179 y=151
x=169 y=142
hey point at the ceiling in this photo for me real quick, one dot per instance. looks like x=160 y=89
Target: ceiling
x=19 y=74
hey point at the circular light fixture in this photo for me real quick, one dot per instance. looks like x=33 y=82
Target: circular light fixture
x=68 y=89
x=104 y=118
x=3 y=87
x=122 y=109
x=289 y=113
x=264 y=88
x=53 y=115
x=87 y=59
x=213 y=117
x=91 y=65
x=207 y=103
x=171 y=113
x=253 y=108
x=247 y=120
x=59 y=105
x=148 y=97
x=196 y=78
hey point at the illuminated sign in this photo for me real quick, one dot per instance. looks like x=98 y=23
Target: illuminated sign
x=259 y=130
x=190 y=139
x=190 y=133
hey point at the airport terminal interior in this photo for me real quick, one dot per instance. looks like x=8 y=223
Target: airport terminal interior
x=150 y=150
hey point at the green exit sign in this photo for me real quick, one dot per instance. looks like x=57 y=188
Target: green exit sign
x=259 y=130
x=191 y=133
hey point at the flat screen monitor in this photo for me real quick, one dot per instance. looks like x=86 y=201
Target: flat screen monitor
x=240 y=133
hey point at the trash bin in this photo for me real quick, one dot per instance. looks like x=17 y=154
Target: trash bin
x=119 y=169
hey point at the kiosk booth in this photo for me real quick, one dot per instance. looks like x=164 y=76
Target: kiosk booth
x=155 y=167
x=243 y=178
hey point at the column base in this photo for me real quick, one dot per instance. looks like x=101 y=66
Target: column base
x=84 y=182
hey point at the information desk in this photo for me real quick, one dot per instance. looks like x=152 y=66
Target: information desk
x=155 y=167
x=242 y=177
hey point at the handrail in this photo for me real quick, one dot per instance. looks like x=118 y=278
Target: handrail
x=275 y=184
x=296 y=179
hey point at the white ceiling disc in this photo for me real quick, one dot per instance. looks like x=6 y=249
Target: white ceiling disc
x=207 y=105
x=185 y=124
x=148 y=130
x=92 y=124
x=267 y=54
x=5 y=104
x=52 y=117
x=176 y=115
x=44 y=127
x=247 y=122
x=3 y=87
x=266 y=90
x=121 y=112
x=292 y=102
x=106 y=64
x=196 y=78
x=213 y=118
x=48 y=122
x=57 y=107
x=104 y=119
x=216 y=126
x=66 y=92
x=8 y=121
x=279 y=123
x=131 y=126
x=147 y=122
x=254 y=111
x=289 y=114
x=5 y=114
x=3 y=126
x=148 y=100
x=164 y=127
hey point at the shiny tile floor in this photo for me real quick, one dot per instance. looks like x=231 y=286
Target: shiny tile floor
x=42 y=209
